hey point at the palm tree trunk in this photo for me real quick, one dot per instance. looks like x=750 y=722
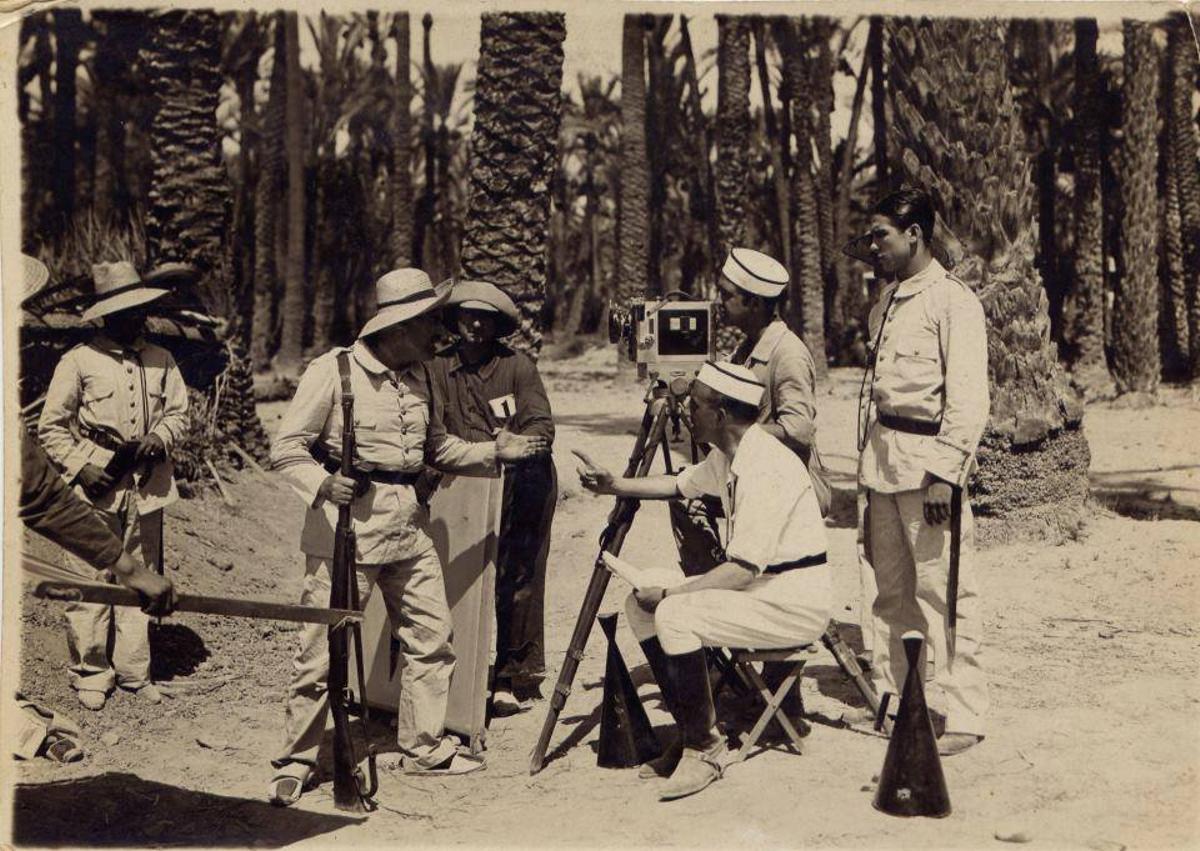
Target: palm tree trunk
x=1135 y=308
x=68 y=39
x=807 y=301
x=820 y=30
x=425 y=238
x=294 y=308
x=1181 y=126
x=878 y=106
x=704 y=174
x=733 y=128
x=633 y=214
x=401 y=191
x=657 y=140
x=1033 y=458
x=1086 y=335
x=190 y=198
x=267 y=192
x=514 y=149
x=852 y=302
x=779 y=178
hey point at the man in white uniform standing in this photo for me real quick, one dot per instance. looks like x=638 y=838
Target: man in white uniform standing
x=771 y=591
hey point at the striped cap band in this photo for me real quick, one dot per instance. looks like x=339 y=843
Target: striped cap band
x=755 y=272
x=729 y=379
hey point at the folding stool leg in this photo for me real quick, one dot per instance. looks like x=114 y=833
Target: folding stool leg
x=773 y=709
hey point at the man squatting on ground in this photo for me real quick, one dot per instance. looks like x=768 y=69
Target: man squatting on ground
x=48 y=507
x=111 y=391
x=929 y=388
x=773 y=590
x=484 y=386
x=398 y=426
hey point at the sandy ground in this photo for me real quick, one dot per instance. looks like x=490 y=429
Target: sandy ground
x=1091 y=651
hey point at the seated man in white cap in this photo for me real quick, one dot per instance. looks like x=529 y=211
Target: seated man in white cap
x=398 y=427
x=485 y=386
x=752 y=287
x=771 y=591
x=115 y=407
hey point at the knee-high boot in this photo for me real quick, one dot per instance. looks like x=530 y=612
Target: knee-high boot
x=663 y=765
x=702 y=760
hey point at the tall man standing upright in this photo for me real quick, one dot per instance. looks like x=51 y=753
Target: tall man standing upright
x=398 y=426
x=115 y=407
x=928 y=387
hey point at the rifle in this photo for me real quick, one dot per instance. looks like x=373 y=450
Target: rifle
x=351 y=790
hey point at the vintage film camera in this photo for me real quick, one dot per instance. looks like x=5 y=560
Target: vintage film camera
x=669 y=339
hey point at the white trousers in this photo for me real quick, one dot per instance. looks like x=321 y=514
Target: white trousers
x=780 y=610
x=912 y=562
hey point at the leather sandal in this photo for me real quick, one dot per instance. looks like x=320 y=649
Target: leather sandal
x=62 y=748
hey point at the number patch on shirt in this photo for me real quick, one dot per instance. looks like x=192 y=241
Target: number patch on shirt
x=503 y=407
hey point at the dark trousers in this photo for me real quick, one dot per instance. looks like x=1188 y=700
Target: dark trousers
x=530 y=496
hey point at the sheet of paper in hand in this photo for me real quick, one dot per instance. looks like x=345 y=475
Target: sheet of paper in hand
x=641 y=577
x=464 y=523
x=503 y=407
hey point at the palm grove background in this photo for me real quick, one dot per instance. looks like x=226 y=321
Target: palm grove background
x=1066 y=175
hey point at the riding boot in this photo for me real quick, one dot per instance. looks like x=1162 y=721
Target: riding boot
x=663 y=765
x=704 y=748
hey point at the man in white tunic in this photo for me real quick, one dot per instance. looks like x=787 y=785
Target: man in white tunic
x=771 y=591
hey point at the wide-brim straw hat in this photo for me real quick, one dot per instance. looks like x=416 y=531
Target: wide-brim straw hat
x=480 y=295
x=34 y=275
x=404 y=294
x=120 y=287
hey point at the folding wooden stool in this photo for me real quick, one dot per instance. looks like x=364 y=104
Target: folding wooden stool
x=742 y=661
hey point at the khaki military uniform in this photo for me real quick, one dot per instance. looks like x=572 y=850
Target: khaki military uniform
x=925 y=410
x=101 y=395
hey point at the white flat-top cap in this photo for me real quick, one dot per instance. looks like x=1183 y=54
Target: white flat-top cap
x=755 y=272
x=729 y=379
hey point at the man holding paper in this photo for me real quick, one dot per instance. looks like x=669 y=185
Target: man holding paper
x=773 y=589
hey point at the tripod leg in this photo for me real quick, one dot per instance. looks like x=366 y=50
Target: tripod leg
x=653 y=430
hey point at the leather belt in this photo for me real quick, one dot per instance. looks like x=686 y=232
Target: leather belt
x=909 y=425
x=333 y=466
x=103 y=439
x=798 y=564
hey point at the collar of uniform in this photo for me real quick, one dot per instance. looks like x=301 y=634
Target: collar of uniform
x=367 y=360
x=921 y=280
x=768 y=341
x=105 y=343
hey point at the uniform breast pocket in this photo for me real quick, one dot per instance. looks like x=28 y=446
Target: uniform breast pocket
x=97 y=399
x=918 y=363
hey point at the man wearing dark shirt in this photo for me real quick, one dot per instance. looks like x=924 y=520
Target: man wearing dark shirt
x=483 y=386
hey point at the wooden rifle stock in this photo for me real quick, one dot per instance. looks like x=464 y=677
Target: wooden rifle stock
x=348 y=793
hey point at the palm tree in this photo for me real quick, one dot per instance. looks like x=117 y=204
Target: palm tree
x=68 y=40
x=267 y=194
x=733 y=127
x=1184 y=172
x=1088 y=363
x=879 y=124
x=294 y=308
x=777 y=144
x=951 y=99
x=633 y=240
x=190 y=200
x=806 y=304
x=401 y=190
x=1135 y=309
x=514 y=149
x=120 y=32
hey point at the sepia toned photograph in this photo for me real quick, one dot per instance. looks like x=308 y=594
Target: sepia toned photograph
x=633 y=424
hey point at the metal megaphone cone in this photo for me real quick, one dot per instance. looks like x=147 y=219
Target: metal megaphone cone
x=911 y=782
x=626 y=737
